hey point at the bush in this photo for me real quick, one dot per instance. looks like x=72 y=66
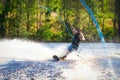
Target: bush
x=44 y=33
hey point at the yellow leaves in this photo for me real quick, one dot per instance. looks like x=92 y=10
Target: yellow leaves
x=53 y=14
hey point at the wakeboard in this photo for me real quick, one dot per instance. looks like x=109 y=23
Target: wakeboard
x=56 y=58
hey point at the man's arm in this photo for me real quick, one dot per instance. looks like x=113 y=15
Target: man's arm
x=81 y=36
x=73 y=29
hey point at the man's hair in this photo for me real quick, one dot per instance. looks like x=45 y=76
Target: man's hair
x=79 y=28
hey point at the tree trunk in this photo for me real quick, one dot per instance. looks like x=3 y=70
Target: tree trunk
x=119 y=26
x=37 y=24
x=2 y=27
x=47 y=12
x=117 y=13
x=28 y=15
x=103 y=24
x=65 y=19
x=114 y=25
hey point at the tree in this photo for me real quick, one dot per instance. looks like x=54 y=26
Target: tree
x=2 y=26
x=117 y=14
x=2 y=20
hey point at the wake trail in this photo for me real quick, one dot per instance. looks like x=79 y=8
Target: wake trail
x=23 y=49
x=27 y=60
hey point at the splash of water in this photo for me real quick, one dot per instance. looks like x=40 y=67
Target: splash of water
x=81 y=72
x=23 y=49
x=94 y=20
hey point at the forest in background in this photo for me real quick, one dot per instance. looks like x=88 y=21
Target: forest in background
x=44 y=20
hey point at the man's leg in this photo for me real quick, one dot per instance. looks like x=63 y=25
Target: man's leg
x=65 y=55
x=70 y=49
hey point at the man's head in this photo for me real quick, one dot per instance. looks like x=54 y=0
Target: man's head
x=78 y=29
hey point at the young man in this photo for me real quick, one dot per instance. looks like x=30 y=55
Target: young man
x=78 y=36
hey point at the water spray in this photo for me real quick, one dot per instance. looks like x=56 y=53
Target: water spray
x=100 y=34
x=94 y=20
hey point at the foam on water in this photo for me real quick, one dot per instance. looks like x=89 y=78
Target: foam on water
x=23 y=49
x=82 y=70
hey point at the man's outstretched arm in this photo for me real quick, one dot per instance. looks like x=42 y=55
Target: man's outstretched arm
x=73 y=29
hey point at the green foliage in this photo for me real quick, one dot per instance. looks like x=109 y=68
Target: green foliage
x=25 y=19
x=57 y=37
x=90 y=33
x=44 y=33
x=1 y=6
x=109 y=33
